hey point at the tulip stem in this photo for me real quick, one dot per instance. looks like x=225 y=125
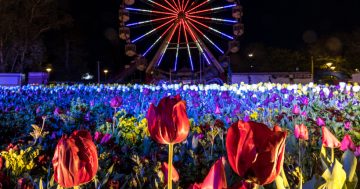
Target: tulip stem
x=114 y=121
x=300 y=183
x=171 y=150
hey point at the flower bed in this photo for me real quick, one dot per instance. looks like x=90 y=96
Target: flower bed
x=33 y=119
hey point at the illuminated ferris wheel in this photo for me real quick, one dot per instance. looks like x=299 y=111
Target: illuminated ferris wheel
x=178 y=34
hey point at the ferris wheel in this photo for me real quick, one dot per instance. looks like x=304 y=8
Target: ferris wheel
x=173 y=34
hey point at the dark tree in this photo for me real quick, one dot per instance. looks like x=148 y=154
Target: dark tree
x=22 y=25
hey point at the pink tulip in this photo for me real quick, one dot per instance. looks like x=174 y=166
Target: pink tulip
x=347 y=143
x=301 y=132
x=98 y=135
x=217 y=110
x=296 y=110
x=320 y=122
x=304 y=114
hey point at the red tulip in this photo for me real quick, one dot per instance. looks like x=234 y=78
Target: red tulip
x=301 y=132
x=328 y=139
x=4 y=181
x=216 y=178
x=255 y=152
x=347 y=143
x=175 y=174
x=75 y=160
x=242 y=185
x=1 y=162
x=168 y=122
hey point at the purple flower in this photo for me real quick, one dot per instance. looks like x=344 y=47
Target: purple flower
x=357 y=151
x=304 y=100
x=106 y=138
x=320 y=122
x=296 y=109
x=58 y=111
x=347 y=125
x=246 y=118
x=92 y=103
x=304 y=114
x=146 y=91
x=217 y=110
x=116 y=102
x=38 y=109
x=224 y=94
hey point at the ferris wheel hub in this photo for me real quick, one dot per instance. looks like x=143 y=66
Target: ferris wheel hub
x=181 y=15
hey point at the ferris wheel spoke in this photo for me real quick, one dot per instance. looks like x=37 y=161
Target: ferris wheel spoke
x=199 y=5
x=207 y=38
x=179 y=5
x=212 y=9
x=171 y=5
x=213 y=19
x=197 y=42
x=162 y=6
x=176 y=6
x=151 y=31
x=185 y=6
x=167 y=45
x=148 y=11
x=149 y=21
x=188 y=47
x=157 y=40
x=212 y=29
x=177 y=48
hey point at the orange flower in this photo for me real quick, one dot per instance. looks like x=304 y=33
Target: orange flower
x=301 y=132
x=75 y=160
x=175 y=174
x=168 y=122
x=328 y=139
x=255 y=152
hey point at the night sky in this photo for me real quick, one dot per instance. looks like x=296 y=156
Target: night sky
x=278 y=23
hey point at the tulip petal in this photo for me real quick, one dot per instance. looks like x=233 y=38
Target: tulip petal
x=75 y=160
x=255 y=152
x=216 y=178
x=181 y=122
x=328 y=139
x=238 y=150
x=175 y=175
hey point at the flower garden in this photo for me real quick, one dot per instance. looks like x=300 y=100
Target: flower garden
x=180 y=136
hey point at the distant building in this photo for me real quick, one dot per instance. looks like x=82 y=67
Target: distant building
x=274 y=77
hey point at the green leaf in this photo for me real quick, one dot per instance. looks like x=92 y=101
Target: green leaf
x=335 y=176
x=350 y=162
x=279 y=182
x=41 y=186
x=353 y=183
x=315 y=182
x=325 y=161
